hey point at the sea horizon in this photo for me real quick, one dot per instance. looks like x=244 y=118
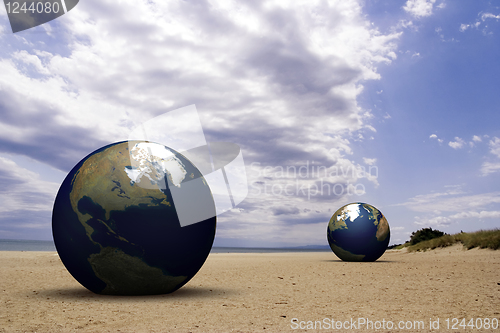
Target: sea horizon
x=49 y=246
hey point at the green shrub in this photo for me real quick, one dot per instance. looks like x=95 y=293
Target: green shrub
x=424 y=235
x=483 y=239
x=442 y=241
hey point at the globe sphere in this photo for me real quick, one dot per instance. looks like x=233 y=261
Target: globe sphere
x=116 y=227
x=358 y=232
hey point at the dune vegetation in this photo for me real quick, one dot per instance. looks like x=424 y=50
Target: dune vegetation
x=484 y=239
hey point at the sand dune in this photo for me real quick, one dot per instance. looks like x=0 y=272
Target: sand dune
x=263 y=292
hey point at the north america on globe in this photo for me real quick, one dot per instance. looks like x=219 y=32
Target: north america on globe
x=115 y=224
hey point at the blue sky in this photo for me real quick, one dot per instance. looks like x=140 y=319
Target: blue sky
x=405 y=90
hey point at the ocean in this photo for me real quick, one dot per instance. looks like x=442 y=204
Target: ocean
x=26 y=245
x=38 y=245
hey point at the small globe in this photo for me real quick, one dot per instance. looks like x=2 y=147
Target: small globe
x=358 y=232
x=115 y=225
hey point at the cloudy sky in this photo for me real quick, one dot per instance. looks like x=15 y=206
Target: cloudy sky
x=393 y=103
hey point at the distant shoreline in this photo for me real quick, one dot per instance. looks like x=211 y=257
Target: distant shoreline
x=26 y=245
x=48 y=246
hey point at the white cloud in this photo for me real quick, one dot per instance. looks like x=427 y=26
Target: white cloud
x=434 y=136
x=495 y=147
x=438 y=221
x=490 y=167
x=439 y=31
x=453 y=200
x=280 y=79
x=30 y=59
x=419 y=8
x=369 y=161
x=266 y=76
x=23 y=189
x=482 y=18
x=476 y=138
x=489 y=15
x=457 y=144
x=405 y=24
x=464 y=27
x=477 y=215
x=453 y=205
x=444 y=221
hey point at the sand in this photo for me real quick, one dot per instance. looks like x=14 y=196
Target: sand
x=264 y=293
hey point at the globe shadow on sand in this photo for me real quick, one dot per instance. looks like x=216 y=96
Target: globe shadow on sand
x=74 y=294
x=361 y=262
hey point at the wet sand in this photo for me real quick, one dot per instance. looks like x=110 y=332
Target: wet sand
x=264 y=292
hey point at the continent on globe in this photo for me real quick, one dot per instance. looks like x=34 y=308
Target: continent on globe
x=115 y=225
x=358 y=232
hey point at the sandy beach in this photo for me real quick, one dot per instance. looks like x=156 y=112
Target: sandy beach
x=265 y=292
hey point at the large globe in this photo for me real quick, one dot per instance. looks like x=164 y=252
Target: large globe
x=358 y=232
x=116 y=227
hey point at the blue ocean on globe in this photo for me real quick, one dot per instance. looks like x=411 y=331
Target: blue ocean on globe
x=115 y=225
x=358 y=232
